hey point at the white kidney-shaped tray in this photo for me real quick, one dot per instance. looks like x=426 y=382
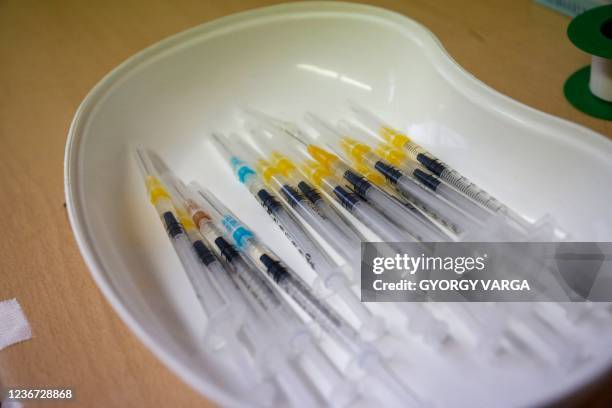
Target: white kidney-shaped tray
x=315 y=56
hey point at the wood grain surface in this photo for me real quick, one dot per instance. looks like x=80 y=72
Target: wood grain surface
x=53 y=52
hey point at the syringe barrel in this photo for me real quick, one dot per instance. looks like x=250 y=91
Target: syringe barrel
x=314 y=196
x=288 y=281
x=289 y=225
x=261 y=293
x=464 y=203
x=236 y=301
x=409 y=165
x=378 y=223
x=334 y=238
x=324 y=227
x=320 y=312
x=277 y=309
x=396 y=212
x=315 y=256
x=269 y=305
x=418 y=153
x=456 y=218
x=464 y=185
x=403 y=216
x=295 y=199
x=291 y=195
x=460 y=182
x=199 y=276
x=427 y=212
x=350 y=235
x=265 y=303
x=433 y=183
x=330 y=274
x=328 y=184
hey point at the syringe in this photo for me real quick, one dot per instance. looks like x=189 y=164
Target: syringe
x=361 y=152
x=294 y=199
x=424 y=190
x=223 y=320
x=291 y=171
x=246 y=175
x=433 y=164
x=411 y=200
x=266 y=348
x=322 y=178
x=275 y=316
x=288 y=168
x=421 y=321
x=331 y=275
x=364 y=354
x=265 y=342
x=386 y=204
x=395 y=211
x=424 y=213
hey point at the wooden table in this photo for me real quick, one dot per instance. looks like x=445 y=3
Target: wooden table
x=52 y=53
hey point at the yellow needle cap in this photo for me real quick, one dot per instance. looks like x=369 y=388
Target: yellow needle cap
x=354 y=149
x=391 y=154
x=156 y=189
x=282 y=163
x=394 y=137
x=315 y=172
x=322 y=156
x=266 y=170
x=373 y=176
x=185 y=219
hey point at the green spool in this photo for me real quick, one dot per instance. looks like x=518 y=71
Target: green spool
x=591 y=31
